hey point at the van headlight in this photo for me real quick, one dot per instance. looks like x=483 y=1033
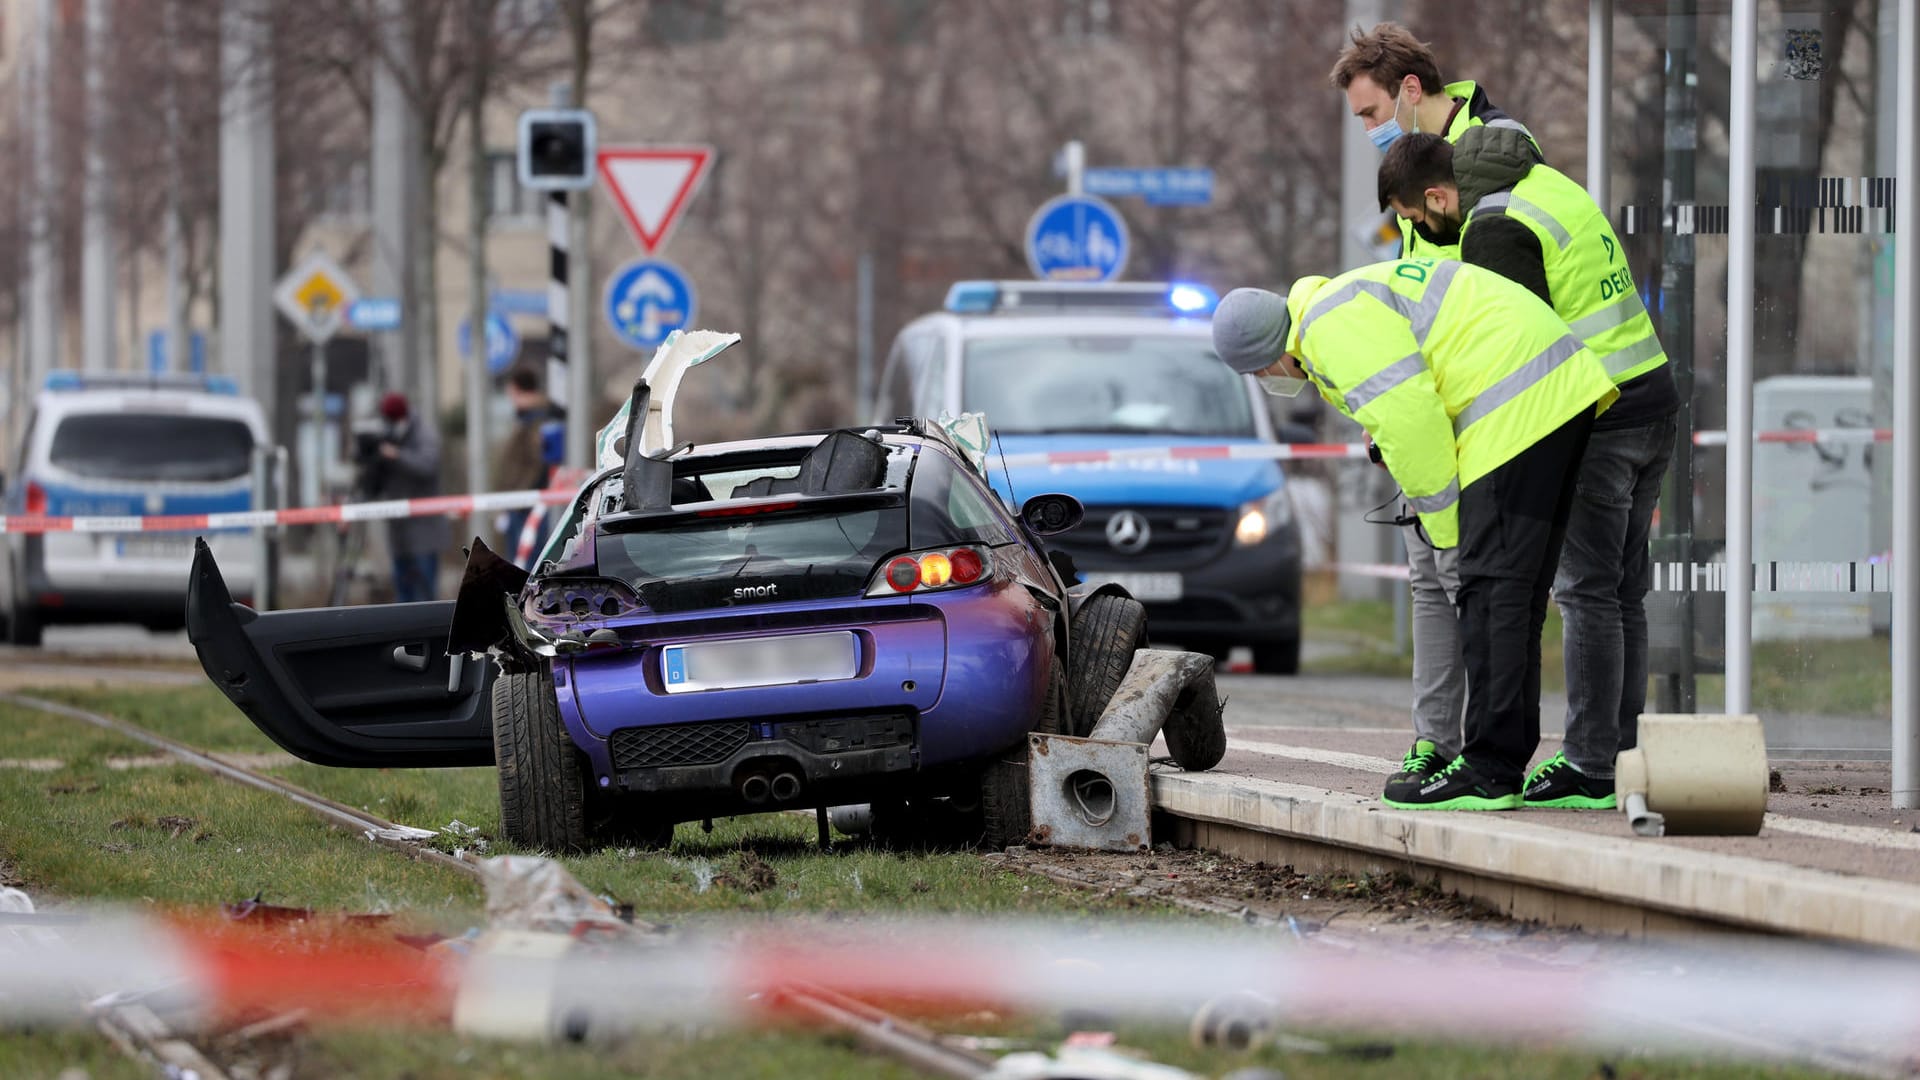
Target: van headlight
x=1262 y=516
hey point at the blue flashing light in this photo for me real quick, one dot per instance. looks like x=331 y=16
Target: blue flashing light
x=65 y=380
x=972 y=297
x=1192 y=299
x=223 y=384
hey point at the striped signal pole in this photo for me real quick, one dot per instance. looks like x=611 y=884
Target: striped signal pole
x=559 y=300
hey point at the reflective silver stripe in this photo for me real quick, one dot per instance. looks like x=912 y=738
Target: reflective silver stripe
x=1517 y=383
x=1507 y=203
x=1510 y=123
x=1619 y=363
x=1433 y=504
x=1384 y=380
x=1420 y=314
x=1614 y=314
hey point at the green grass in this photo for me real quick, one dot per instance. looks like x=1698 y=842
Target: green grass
x=199 y=716
x=47 y=1054
x=172 y=834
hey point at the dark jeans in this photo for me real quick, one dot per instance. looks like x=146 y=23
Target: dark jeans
x=1602 y=590
x=1512 y=522
x=413 y=577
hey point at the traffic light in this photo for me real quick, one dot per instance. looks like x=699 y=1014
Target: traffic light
x=556 y=149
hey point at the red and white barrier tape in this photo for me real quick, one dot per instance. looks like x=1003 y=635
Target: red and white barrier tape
x=454 y=505
x=447 y=505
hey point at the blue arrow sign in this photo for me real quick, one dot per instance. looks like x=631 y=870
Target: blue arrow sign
x=1076 y=238
x=1160 y=187
x=647 y=300
x=374 y=313
x=502 y=343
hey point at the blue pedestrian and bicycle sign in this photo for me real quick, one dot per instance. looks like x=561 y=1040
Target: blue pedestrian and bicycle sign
x=647 y=300
x=502 y=343
x=1076 y=238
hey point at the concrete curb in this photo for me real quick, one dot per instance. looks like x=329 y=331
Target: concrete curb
x=1732 y=890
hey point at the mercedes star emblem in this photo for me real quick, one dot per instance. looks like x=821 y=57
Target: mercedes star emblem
x=1128 y=531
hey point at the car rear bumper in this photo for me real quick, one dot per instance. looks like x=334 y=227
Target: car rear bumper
x=829 y=757
x=950 y=680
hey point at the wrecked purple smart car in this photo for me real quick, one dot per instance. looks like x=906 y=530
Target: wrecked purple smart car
x=804 y=621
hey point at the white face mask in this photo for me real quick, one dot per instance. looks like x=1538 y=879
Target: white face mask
x=1282 y=385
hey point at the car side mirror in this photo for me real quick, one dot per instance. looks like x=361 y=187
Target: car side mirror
x=1046 y=515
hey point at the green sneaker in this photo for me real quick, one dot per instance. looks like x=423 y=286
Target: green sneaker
x=1556 y=784
x=1421 y=762
x=1456 y=787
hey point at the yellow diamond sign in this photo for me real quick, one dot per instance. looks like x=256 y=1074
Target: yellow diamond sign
x=315 y=295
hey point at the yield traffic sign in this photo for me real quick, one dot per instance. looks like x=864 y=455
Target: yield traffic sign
x=315 y=296
x=652 y=185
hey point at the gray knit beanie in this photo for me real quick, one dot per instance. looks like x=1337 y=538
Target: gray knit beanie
x=1250 y=329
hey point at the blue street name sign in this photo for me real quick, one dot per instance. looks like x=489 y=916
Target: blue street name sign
x=1160 y=187
x=1076 y=238
x=374 y=313
x=502 y=343
x=647 y=300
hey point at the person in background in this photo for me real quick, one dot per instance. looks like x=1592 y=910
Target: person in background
x=531 y=450
x=410 y=449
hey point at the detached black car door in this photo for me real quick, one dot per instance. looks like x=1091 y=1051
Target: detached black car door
x=360 y=687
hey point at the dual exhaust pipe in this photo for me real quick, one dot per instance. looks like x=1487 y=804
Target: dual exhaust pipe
x=758 y=789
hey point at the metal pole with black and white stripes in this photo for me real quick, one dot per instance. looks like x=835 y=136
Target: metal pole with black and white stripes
x=559 y=300
x=556 y=156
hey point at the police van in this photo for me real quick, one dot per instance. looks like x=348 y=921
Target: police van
x=1209 y=545
x=124 y=445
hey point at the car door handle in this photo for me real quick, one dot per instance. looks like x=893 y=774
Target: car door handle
x=406 y=659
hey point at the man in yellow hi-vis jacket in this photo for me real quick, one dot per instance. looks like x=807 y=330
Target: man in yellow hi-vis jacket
x=1481 y=403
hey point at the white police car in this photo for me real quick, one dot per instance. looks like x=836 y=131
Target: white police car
x=1209 y=545
x=124 y=445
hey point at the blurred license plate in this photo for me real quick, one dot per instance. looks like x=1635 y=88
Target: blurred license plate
x=157 y=546
x=1145 y=588
x=774 y=661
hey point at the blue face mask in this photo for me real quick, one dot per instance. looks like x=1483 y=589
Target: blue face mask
x=1384 y=135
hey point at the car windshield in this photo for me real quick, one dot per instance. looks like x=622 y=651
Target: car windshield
x=1161 y=385
x=153 y=446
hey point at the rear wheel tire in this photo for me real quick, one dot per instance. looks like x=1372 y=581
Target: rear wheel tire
x=542 y=788
x=1277 y=657
x=1106 y=632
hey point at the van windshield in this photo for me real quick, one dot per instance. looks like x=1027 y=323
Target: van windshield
x=1108 y=384
x=153 y=446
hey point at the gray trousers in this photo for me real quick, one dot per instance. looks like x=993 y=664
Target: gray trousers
x=1439 y=672
x=1602 y=589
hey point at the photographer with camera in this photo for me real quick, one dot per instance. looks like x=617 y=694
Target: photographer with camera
x=402 y=461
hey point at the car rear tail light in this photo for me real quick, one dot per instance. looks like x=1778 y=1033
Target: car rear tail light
x=943 y=568
x=36 y=499
x=575 y=600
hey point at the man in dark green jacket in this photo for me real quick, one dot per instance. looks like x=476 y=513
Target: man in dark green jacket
x=1533 y=225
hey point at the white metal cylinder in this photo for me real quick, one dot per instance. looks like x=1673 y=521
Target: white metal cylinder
x=1599 y=102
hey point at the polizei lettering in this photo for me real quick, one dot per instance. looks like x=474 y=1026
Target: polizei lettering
x=756 y=592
